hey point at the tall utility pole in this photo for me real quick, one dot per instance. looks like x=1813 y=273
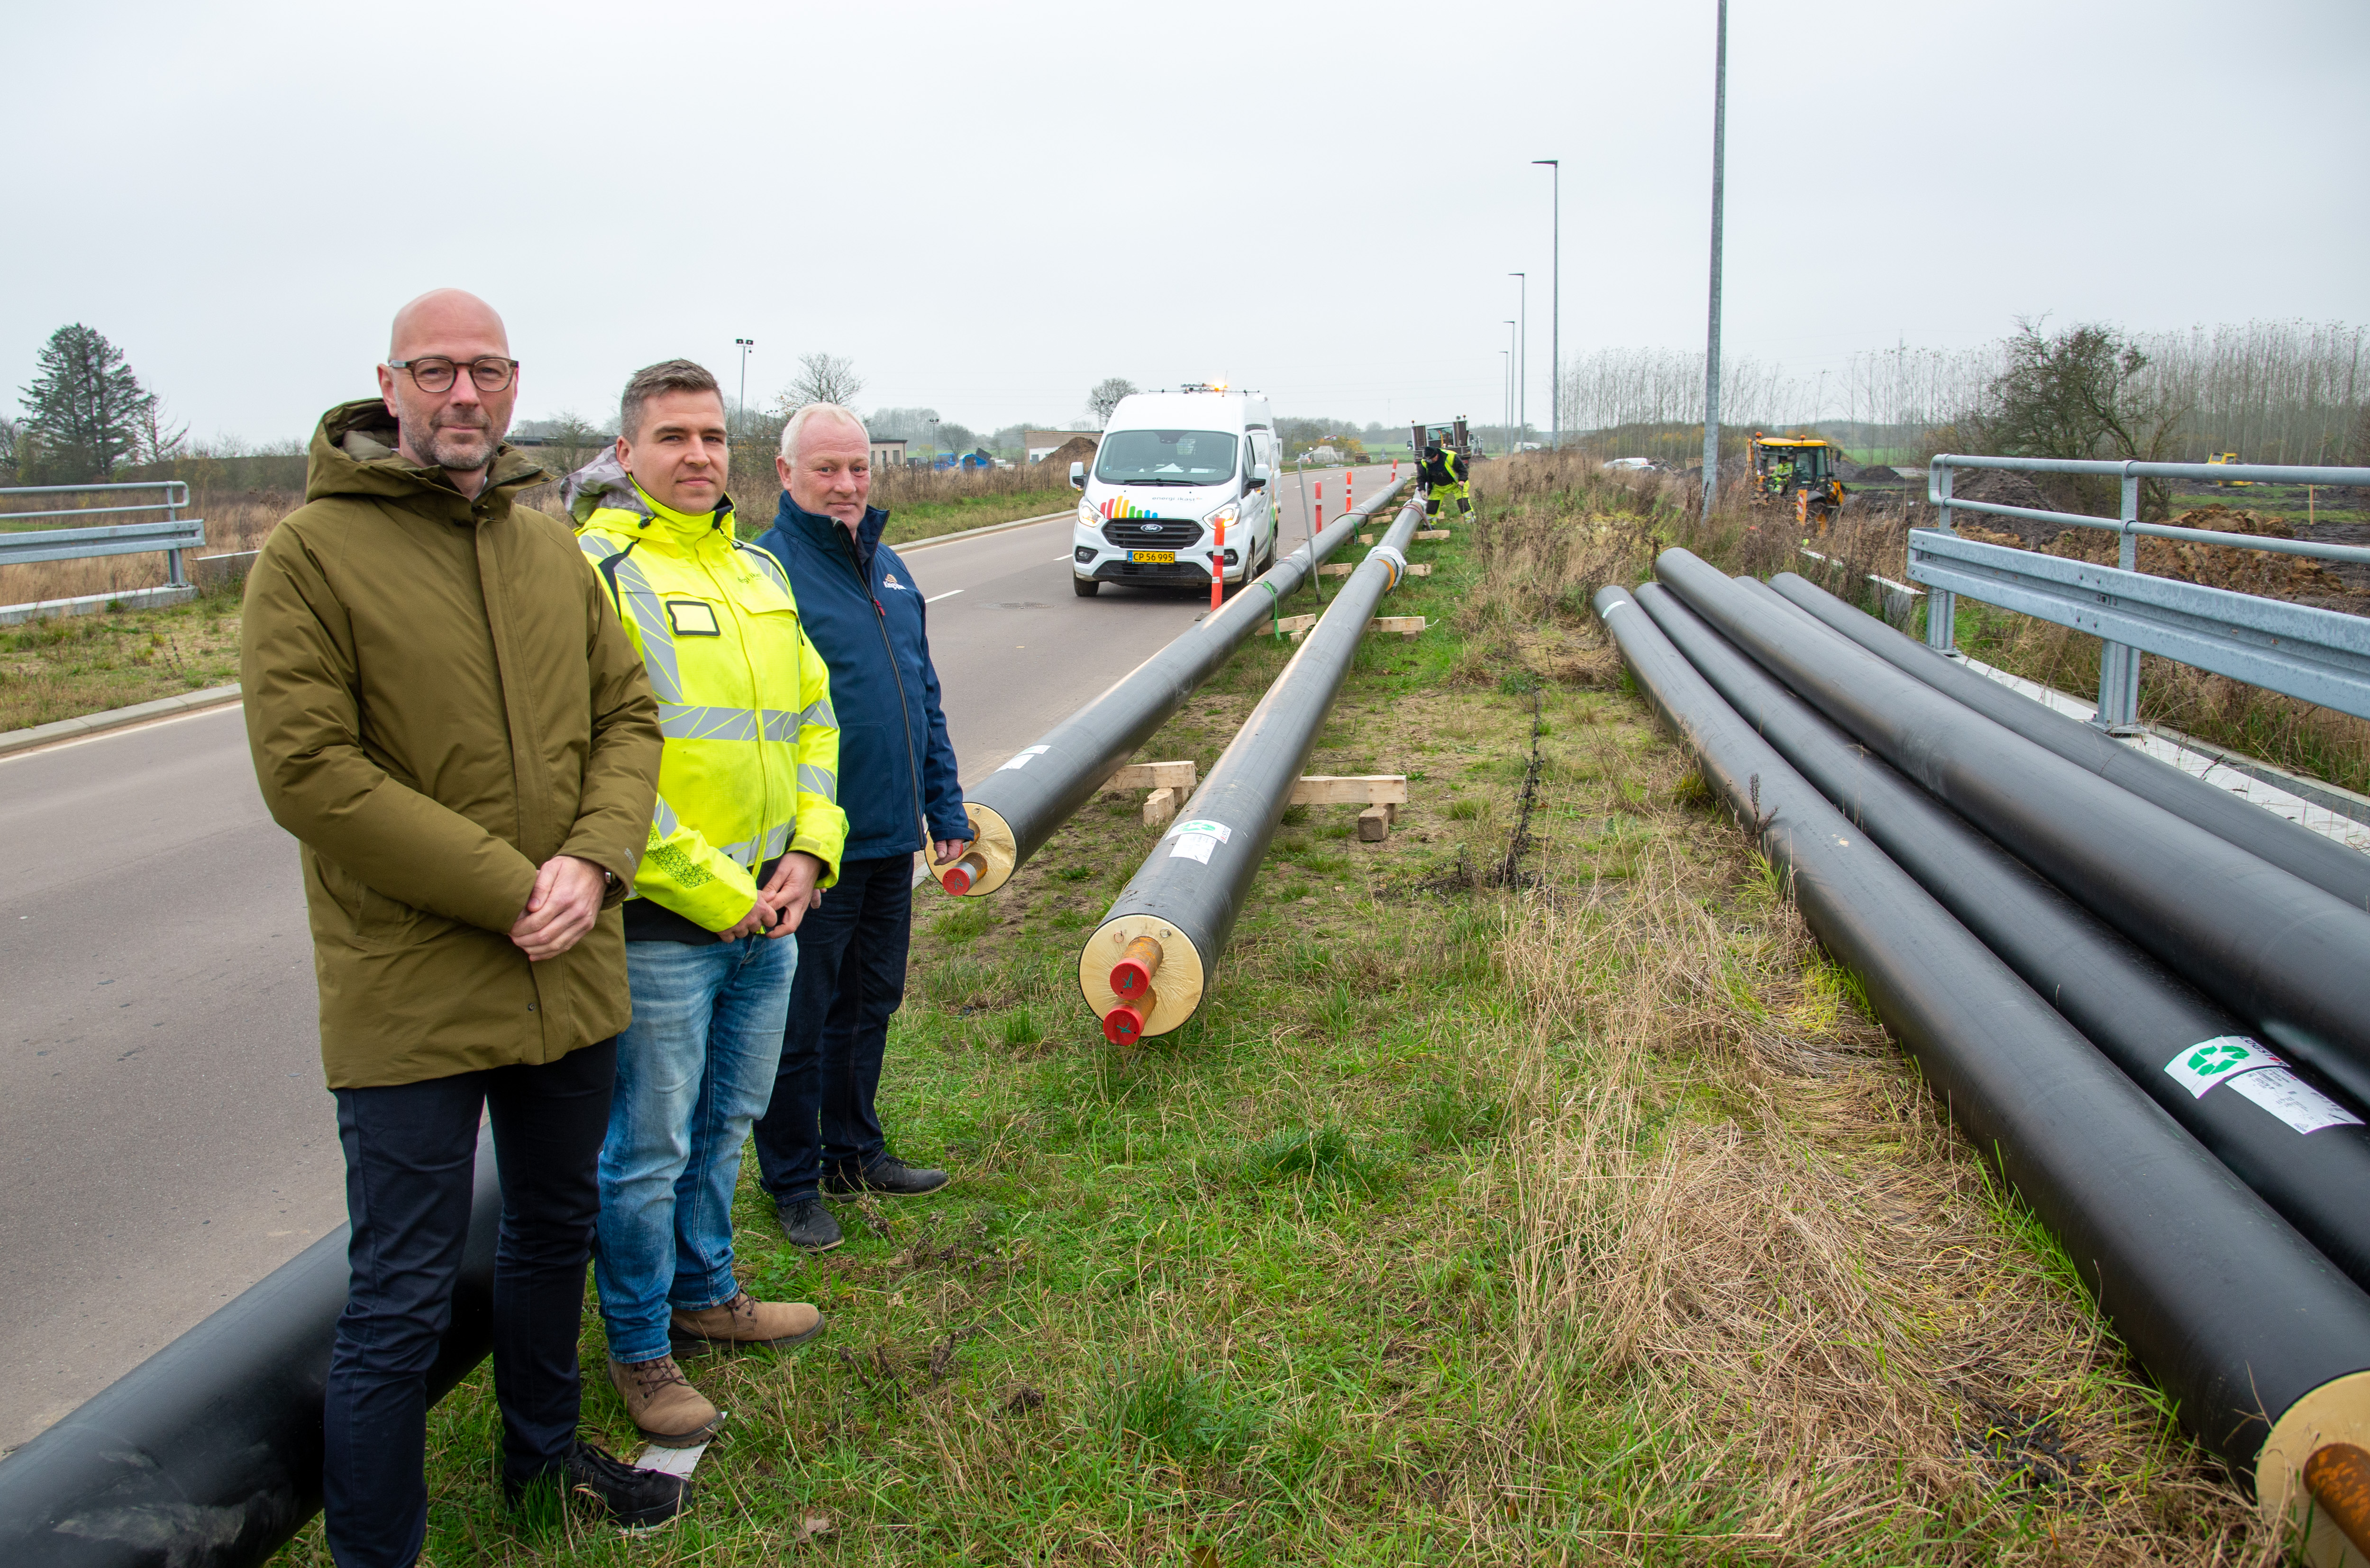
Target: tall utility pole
x=1521 y=371
x=1711 y=335
x=1555 y=306
x=744 y=345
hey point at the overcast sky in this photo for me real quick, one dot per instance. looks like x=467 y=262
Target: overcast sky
x=989 y=208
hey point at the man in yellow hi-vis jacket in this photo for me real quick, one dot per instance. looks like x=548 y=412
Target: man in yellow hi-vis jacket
x=748 y=831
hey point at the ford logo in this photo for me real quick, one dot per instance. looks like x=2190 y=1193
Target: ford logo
x=1152 y=527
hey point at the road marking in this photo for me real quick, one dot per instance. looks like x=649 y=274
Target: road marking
x=1063 y=556
x=936 y=597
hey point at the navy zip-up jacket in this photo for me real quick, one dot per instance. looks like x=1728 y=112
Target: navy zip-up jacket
x=864 y=616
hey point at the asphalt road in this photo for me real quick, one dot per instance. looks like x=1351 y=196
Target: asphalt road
x=159 y=1063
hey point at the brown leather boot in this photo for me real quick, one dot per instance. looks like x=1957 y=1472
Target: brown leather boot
x=743 y=1319
x=665 y=1408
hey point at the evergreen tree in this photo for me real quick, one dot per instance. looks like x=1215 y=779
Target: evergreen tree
x=85 y=410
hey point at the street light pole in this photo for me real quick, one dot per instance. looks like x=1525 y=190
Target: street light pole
x=1555 y=308
x=1522 y=369
x=1506 y=397
x=1512 y=330
x=744 y=345
x=1712 y=334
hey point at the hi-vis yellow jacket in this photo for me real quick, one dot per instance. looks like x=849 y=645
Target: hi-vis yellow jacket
x=751 y=768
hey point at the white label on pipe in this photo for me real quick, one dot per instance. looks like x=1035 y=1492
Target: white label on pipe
x=2293 y=1100
x=1022 y=758
x=2216 y=1061
x=1196 y=838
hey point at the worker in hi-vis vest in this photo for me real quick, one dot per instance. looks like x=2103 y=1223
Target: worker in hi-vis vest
x=1443 y=476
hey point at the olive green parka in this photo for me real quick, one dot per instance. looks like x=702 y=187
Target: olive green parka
x=440 y=699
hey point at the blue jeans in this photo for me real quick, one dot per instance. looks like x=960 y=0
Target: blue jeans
x=694 y=1068
x=411 y=1161
x=822 y=1115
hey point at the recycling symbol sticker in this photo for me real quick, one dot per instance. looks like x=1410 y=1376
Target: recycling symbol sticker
x=2218 y=1060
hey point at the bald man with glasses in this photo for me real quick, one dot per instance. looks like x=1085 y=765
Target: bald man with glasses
x=446 y=714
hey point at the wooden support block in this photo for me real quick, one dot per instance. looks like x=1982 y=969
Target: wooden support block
x=1431 y=534
x=1405 y=625
x=1295 y=624
x=1153 y=776
x=1350 y=789
x=1160 y=807
x=1374 y=824
x=1335 y=570
x=1366 y=539
x=1419 y=569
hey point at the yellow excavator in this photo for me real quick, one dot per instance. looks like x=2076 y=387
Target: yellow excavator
x=2219 y=458
x=1799 y=470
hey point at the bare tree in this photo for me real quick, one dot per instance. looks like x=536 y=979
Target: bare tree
x=155 y=438
x=1105 y=397
x=2082 y=393
x=822 y=378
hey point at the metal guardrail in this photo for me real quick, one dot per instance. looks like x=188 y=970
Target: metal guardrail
x=2318 y=655
x=173 y=535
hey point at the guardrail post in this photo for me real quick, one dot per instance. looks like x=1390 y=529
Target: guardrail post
x=172 y=575
x=2119 y=663
x=1941 y=604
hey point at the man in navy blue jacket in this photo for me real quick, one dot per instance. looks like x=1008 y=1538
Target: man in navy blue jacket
x=898 y=786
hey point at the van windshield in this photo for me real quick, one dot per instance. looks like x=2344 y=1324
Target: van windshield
x=1165 y=457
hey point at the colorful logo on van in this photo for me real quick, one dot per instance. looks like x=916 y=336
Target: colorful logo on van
x=1118 y=508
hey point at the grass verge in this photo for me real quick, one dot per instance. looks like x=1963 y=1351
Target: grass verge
x=68 y=665
x=1530 y=1190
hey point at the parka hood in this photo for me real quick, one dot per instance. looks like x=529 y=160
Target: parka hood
x=604 y=486
x=353 y=454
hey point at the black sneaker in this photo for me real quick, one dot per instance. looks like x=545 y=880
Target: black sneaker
x=634 y=1497
x=810 y=1225
x=888 y=1176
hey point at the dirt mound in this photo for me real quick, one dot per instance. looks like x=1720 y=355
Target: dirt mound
x=2218 y=566
x=2297 y=577
x=1077 y=449
x=2005 y=487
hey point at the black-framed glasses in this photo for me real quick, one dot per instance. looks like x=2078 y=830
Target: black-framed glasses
x=434 y=372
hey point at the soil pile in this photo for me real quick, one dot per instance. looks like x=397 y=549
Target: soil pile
x=2005 y=487
x=1077 y=449
x=2300 y=579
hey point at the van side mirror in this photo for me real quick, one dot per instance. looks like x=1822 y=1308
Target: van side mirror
x=1260 y=474
x=1077 y=475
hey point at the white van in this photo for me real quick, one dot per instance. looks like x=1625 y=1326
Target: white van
x=1173 y=466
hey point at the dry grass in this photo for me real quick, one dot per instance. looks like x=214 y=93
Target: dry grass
x=1745 y=1223
x=236 y=520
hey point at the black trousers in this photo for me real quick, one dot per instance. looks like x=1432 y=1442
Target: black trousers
x=411 y=1161
x=851 y=980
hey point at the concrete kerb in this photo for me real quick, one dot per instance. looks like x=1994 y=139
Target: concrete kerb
x=17 y=741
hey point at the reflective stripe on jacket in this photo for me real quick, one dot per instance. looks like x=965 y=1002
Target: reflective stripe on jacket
x=751 y=768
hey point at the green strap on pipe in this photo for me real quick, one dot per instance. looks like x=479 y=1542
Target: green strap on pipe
x=1274 y=609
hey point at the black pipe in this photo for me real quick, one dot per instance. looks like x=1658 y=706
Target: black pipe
x=208 y=1454
x=2248 y=1328
x=2275 y=949
x=2317 y=858
x=1185 y=897
x=2147 y=1022
x=1015 y=808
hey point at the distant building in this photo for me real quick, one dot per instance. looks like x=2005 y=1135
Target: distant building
x=1039 y=444
x=887 y=451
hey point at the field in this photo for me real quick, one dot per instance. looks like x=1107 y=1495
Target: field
x=1530 y=1191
